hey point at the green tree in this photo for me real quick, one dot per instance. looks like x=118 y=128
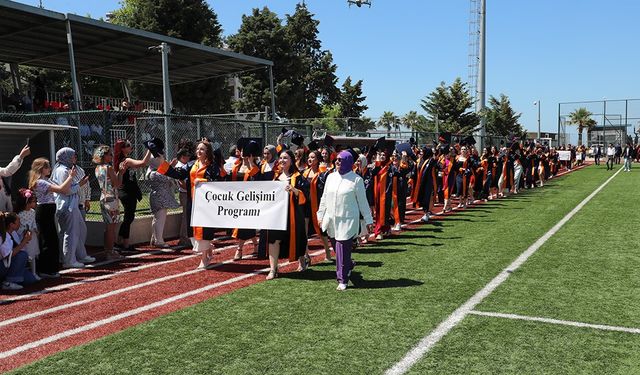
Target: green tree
x=582 y=118
x=304 y=74
x=389 y=121
x=415 y=122
x=452 y=106
x=191 y=20
x=351 y=99
x=502 y=120
x=261 y=34
x=312 y=71
x=330 y=115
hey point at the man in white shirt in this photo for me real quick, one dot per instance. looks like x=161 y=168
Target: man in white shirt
x=611 y=153
x=9 y=170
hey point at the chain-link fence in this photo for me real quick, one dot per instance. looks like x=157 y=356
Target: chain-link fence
x=93 y=128
x=616 y=122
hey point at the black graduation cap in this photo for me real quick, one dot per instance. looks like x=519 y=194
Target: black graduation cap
x=313 y=145
x=379 y=145
x=468 y=140
x=328 y=141
x=284 y=130
x=253 y=143
x=297 y=139
x=427 y=151
x=156 y=146
x=353 y=153
x=444 y=149
x=407 y=148
x=412 y=141
x=445 y=137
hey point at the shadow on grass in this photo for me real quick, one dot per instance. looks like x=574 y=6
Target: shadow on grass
x=377 y=250
x=360 y=283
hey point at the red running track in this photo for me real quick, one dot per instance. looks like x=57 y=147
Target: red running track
x=87 y=304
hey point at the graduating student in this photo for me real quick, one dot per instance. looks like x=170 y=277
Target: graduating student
x=291 y=242
x=425 y=184
x=402 y=166
x=447 y=160
x=268 y=168
x=208 y=166
x=247 y=170
x=316 y=180
x=383 y=187
x=463 y=175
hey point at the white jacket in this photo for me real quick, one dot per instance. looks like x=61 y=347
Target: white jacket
x=343 y=201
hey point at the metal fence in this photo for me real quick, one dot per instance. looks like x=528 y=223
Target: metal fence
x=617 y=122
x=93 y=128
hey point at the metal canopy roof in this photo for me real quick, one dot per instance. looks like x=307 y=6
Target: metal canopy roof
x=37 y=37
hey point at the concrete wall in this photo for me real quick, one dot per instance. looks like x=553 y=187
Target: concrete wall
x=140 y=230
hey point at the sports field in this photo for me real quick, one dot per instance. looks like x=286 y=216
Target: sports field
x=572 y=306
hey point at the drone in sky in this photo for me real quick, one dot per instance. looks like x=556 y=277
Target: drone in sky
x=359 y=3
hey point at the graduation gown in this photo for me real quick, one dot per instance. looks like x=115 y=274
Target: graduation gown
x=294 y=239
x=425 y=183
x=250 y=175
x=383 y=177
x=316 y=188
x=194 y=172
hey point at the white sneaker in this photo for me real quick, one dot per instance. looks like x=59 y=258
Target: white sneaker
x=397 y=227
x=379 y=237
x=341 y=287
x=87 y=259
x=73 y=265
x=424 y=218
x=7 y=285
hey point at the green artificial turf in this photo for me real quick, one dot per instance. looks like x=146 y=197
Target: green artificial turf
x=485 y=345
x=588 y=271
x=404 y=287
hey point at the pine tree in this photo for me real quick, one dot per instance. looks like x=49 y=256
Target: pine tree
x=502 y=120
x=351 y=99
x=451 y=106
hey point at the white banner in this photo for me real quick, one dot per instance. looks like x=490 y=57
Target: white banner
x=245 y=205
x=564 y=155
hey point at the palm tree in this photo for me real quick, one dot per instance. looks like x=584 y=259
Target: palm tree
x=417 y=123
x=582 y=118
x=389 y=121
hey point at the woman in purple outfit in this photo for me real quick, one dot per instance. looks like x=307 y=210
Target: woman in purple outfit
x=343 y=201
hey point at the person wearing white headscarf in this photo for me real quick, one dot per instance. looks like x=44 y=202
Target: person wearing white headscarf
x=161 y=198
x=72 y=225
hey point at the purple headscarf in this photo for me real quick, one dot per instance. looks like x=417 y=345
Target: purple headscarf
x=346 y=163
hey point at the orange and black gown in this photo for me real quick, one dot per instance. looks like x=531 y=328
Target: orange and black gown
x=191 y=172
x=250 y=175
x=383 y=192
x=294 y=239
x=267 y=172
x=425 y=183
x=463 y=176
x=316 y=188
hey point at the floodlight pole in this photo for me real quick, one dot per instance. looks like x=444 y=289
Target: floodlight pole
x=482 y=71
x=166 y=96
x=537 y=103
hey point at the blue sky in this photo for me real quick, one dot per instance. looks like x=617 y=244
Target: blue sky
x=552 y=51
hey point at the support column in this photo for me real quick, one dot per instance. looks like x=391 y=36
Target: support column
x=273 y=95
x=76 y=104
x=166 y=98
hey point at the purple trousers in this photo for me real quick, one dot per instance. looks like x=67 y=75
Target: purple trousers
x=344 y=264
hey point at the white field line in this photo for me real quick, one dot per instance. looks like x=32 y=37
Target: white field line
x=571 y=323
x=101 y=277
x=136 y=311
x=461 y=312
